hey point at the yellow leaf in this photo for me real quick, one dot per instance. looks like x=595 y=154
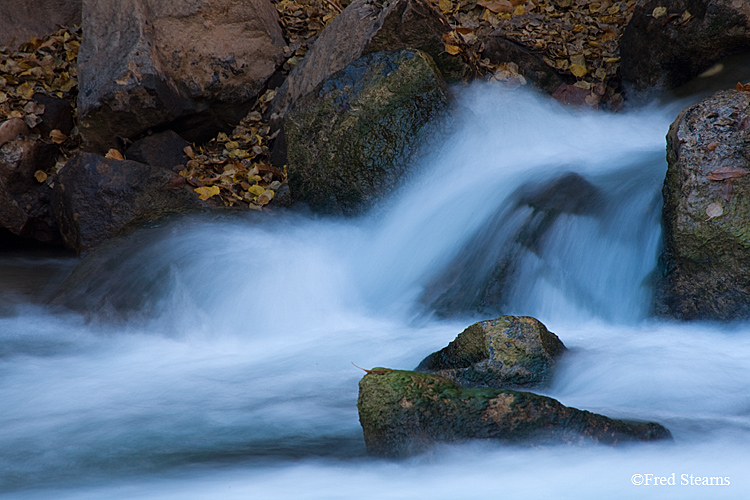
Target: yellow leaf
x=265 y=197
x=496 y=6
x=519 y=11
x=206 y=192
x=57 y=136
x=238 y=154
x=40 y=176
x=659 y=11
x=256 y=190
x=113 y=154
x=452 y=49
x=578 y=70
x=232 y=145
x=25 y=90
x=445 y=5
x=222 y=137
x=3 y=97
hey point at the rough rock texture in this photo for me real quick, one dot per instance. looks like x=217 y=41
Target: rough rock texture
x=97 y=198
x=674 y=47
x=10 y=129
x=349 y=141
x=367 y=26
x=402 y=412
x=165 y=149
x=507 y=351
x=531 y=66
x=147 y=63
x=21 y=21
x=24 y=202
x=480 y=278
x=706 y=220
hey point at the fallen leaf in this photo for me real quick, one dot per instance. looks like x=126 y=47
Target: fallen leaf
x=57 y=137
x=741 y=87
x=578 y=70
x=452 y=49
x=712 y=146
x=40 y=176
x=727 y=173
x=496 y=6
x=265 y=197
x=658 y=12
x=714 y=210
x=206 y=192
x=114 y=154
x=25 y=90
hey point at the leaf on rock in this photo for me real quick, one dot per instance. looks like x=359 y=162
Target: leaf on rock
x=265 y=197
x=659 y=12
x=714 y=210
x=578 y=70
x=57 y=137
x=114 y=154
x=206 y=192
x=741 y=87
x=727 y=173
x=40 y=176
x=452 y=49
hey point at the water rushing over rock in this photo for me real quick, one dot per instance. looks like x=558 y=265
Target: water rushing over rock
x=234 y=378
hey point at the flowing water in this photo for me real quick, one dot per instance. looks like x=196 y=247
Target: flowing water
x=211 y=357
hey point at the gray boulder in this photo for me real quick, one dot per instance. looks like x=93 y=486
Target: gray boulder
x=350 y=140
x=195 y=65
x=667 y=44
x=706 y=214
x=403 y=412
x=364 y=27
x=97 y=198
x=509 y=351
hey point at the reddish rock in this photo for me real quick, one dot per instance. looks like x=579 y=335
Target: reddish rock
x=22 y=20
x=196 y=65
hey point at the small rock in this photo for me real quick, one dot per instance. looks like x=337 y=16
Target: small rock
x=507 y=351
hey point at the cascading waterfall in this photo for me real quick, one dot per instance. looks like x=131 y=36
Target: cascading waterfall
x=210 y=357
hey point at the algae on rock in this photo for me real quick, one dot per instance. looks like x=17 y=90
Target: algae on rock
x=349 y=141
x=403 y=412
x=506 y=351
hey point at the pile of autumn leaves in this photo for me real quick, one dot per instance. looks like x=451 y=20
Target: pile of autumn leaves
x=577 y=37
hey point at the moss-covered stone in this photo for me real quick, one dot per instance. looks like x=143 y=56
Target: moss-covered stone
x=402 y=412
x=706 y=259
x=507 y=351
x=350 y=140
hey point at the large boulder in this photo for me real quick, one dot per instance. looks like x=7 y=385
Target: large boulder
x=24 y=202
x=667 y=44
x=22 y=21
x=349 y=141
x=706 y=214
x=515 y=351
x=197 y=65
x=365 y=27
x=97 y=198
x=403 y=412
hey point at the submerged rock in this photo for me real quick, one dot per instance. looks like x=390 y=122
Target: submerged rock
x=480 y=278
x=506 y=351
x=667 y=44
x=403 y=412
x=349 y=142
x=706 y=214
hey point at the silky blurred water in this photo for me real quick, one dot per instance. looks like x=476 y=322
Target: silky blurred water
x=211 y=357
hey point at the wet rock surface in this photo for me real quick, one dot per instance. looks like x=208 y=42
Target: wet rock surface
x=509 y=351
x=349 y=142
x=403 y=412
x=706 y=214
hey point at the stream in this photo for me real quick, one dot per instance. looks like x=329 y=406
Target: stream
x=210 y=356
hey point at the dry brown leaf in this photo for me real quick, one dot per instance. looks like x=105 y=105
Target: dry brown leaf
x=40 y=176
x=57 y=137
x=496 y=6
x=114 y=154
x=727 y=173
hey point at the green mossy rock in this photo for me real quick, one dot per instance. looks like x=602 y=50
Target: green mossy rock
x=507 y=351
x=403 y=412
x=350 y=140
x=706 y=259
